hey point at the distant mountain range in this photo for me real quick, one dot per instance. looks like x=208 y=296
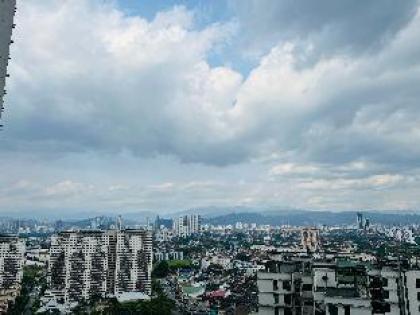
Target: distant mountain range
x=301 y=217
x=231 y=215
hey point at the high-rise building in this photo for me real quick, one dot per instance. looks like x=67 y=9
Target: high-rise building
x=133 y=262
x=7 y=12
x=12 y=251
x=161 y=222
x=301 y=285
x=88 y=263
x=310 y=239
x=360 y=223
x=187 y=225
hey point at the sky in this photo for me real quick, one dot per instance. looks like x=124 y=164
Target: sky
x=168 y=105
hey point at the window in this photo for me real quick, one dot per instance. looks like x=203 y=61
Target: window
x=346 y=309
x=287 y=286
x=307 y=287
x=333 y=310
x=276 y=311
x=276 y=298
x=386 y=294
x=287 y=311
x=387 y=308
x=418 y=283
x=288 y=299
x=275 y=285
x=418 y=296
x=384 y=282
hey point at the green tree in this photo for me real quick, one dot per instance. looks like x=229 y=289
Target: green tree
x=161 y=270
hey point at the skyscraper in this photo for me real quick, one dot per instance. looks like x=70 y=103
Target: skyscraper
x=88 y=263
x=360 y=224
x=7 y=12
x=186 y=225
x=12 y=252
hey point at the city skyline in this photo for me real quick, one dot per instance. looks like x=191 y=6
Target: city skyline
x=126 y=106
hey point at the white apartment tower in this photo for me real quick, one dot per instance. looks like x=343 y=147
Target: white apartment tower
x=12 y=251
x=7 y=12
x=88 y=263
x=133 y=266
x=187 y=225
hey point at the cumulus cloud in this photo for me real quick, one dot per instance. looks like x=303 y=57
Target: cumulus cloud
x=327 y=26
x=90 y=82
x=95 y=79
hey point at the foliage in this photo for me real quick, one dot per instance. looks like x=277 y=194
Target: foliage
x=31 y=276
x=160 y=305
x=161 y=269
x=179 y=264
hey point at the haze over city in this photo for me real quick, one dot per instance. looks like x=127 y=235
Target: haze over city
x=169 y=105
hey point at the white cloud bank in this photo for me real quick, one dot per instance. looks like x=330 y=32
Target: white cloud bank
x=87 y=80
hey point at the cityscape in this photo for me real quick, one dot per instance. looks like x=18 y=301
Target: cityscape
x=188 y=265
x=232 y=157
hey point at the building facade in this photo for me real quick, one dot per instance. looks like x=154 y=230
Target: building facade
x=88 y=263
x=7 y=12
x=187 y=225
x=12 y=251
x=304 y=286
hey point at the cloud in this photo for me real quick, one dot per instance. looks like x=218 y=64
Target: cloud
x=339 y=110
x=113 y=109
x=327 y=26
x=95 y=79
x=111 y=82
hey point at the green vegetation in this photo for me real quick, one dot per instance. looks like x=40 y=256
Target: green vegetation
x=32 y=275
x=160 y=305
x=161 y=270
x=179 y=264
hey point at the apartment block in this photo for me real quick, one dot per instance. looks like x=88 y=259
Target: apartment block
x=187 y=225
x=12 y=251
x=306 y=286
x=88 y=263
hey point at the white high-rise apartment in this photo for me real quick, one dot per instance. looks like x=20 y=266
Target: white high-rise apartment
x=7 y=12
x=133 y=261
x=12 y=251
x=187 y=225
x=88 y=263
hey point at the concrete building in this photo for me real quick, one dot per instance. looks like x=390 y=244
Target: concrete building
x=96 y=262
x=134 y=256
x=310 y=239
x=360 y=222
x=187 y=225
x=168 y=255
x=12 y=252
x=305 y=286
x=7 y=12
